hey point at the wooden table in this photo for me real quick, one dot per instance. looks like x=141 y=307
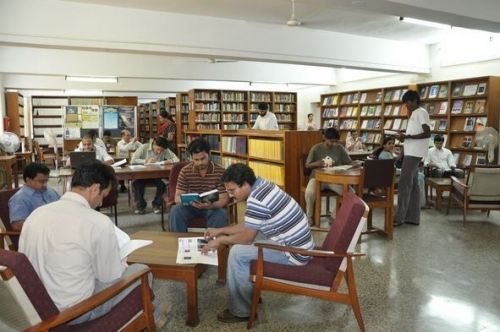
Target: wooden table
x=332 y=176
x=359 y=155
x=161 y=255
x=9 y=164
x=441 y=185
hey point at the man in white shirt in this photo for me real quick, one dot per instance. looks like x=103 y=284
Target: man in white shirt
x=96 y=140
x=126 y=144
x=415 y=148
x=441 y=162
x=87 y=145
x=266 y=119
x=73 y=248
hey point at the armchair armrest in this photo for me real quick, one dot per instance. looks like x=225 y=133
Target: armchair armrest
x=4 y=233
x=305 y=252
x=459 y=186
x=94 y=301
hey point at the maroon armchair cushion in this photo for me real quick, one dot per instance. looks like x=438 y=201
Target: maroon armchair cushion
x=172 y=181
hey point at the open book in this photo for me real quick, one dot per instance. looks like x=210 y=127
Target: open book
x=127 y=245
x=208 y=196
x=119 y=163
x=189 y=252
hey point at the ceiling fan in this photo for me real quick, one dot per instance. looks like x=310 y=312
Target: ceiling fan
x=292 y=20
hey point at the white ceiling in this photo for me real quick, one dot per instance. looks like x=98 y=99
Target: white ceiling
x=165 y=46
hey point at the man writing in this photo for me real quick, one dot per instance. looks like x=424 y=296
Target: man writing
x=282 y=223
x=266 y=119
x=32 y=195
x=199 y=176
x=415 y=148
x=73 y=248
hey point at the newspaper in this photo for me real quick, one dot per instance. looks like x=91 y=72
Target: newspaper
x=189 y=252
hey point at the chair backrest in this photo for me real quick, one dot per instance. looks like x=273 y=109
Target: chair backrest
x=111 y=199
x=25 y=301
x=5 y=195
x=378 y=173
x=38 y=152
x=345 y=230
x=484 y=183
x=172 y=180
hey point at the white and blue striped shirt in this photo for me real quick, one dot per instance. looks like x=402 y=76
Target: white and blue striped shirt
x=279 y=217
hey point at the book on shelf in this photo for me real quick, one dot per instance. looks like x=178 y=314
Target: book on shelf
x=481 y=88
x=432 y=124
x=469 y=106
x=371 y=110
x=387 y=110
x=364 y=124
x=189 y=252
x=481 y=122
x=396 y=95
x=388 y=124
x=355 y=97
x=457 y=90
x=431 y=109
x=456 y=157
x=469 y=90
x=397 y=124
x=355 y=111
x=479 y=106
x=208 y=196
x=404 y=124
x=433 y=91
x=378 y=97
x=378 y=110
x=467 y=141
x=469 y=124
x=467 y=160
x=457 y=106
x=443 y=124
x=349 y=111
x=481 y=159
x=362 y=99
x=423 y=92
x=443 y=107
x=395 y=110
x=443 y=91
x=364 y=110
x=388 y=96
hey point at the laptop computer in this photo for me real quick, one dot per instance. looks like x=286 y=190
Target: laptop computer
x=79 y=158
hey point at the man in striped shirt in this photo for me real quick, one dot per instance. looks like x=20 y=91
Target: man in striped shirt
x=199 y=176
x=271 y=215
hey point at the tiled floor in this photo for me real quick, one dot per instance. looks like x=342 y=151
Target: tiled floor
x=439 y=276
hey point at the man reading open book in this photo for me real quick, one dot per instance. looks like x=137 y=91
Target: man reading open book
x=199 y=176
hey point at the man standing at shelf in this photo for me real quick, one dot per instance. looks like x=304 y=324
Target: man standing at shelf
x=156 y=153
x=440 y=161
x=266 y=119
x=272 y=216
x=415 y=148
x=327 y=153
x=199 y=176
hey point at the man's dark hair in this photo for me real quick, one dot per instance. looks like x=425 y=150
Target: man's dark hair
x=262 y=106
x=239 y=173
x=411 y=95
x=92 y=133
x=31 y=170
x=331 y=133
x=106 y=133
x=94 y=172
x=166 y=115
x=161 y=142
x=438 y=138
x=198 y=145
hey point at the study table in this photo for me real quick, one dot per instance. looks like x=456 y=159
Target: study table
x=161 y=256
x=9 y=164
x=331 y=175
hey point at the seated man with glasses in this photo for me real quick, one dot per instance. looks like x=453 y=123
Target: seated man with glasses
x=32 y=195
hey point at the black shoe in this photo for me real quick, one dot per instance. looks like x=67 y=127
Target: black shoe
x=123 y=189
x=227 y=317
x=412 y=223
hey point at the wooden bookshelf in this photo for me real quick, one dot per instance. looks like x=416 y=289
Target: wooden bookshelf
x=273 y=155
x=456 y=109
x=15 y=111
x=182 y=113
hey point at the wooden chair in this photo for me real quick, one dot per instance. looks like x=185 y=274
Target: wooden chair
x=304 y=179
x=379 y=174
x=323 y=274
x=30 y=307
x=13 y=235
x=43 y=157
x=111 y=201
x=196 y=224
x=481 y=191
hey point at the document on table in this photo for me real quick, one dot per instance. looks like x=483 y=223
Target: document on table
x=339 y=168
x=137 y=166
x=189 y=252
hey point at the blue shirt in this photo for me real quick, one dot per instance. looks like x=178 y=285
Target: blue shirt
x=279 y=217
x=27 y=199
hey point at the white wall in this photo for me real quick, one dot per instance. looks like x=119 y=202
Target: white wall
x=2 y=103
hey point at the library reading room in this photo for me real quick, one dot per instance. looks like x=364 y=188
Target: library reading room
x=267 y=165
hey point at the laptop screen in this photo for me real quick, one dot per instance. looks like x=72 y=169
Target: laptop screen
x=79 y=158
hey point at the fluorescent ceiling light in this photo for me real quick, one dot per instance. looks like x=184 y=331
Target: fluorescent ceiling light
x=93 y=79
x=83 y=92
x=425 y=23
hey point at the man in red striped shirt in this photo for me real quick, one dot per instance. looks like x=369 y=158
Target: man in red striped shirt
x=199 y=176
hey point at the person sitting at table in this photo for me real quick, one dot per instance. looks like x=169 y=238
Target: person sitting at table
x=320 y=155
x=32 y=195
x=386 y=150
x=108 y=141
x=200 y=175
x=440 y=161
x=123 y=147
x=92 y=133
x=87 y=145
x=353 y=142
x=155 y=153
x=168 y=129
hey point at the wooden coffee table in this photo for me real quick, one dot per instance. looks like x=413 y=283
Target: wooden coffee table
x=160 y=256
x=441 y=185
